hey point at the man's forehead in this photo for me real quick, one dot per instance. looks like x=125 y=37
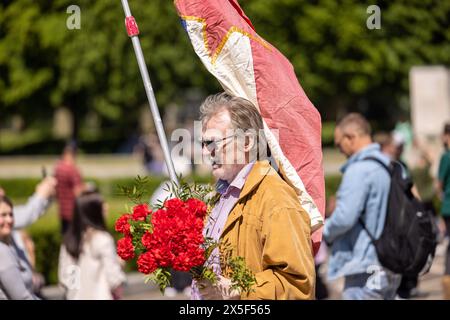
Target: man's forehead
x=218 y=124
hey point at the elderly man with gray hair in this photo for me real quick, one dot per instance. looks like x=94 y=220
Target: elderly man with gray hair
x=258 y=214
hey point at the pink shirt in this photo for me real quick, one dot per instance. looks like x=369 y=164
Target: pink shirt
x=216 y=222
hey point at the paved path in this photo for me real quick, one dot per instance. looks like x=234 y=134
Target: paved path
x=110 y=166
x=93 y=166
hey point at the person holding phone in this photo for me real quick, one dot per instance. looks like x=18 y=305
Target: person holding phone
x=16 y=277
x=24 y=216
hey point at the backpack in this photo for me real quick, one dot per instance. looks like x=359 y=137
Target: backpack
x=408 y=241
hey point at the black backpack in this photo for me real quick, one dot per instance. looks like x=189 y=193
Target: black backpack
x=408 y=241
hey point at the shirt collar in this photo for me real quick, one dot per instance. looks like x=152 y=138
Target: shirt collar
x=223 y=187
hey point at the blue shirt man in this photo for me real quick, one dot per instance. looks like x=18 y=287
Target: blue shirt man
x=363 y=194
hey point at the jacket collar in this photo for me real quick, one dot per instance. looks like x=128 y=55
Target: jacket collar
x=259 y=171
x=257 y=174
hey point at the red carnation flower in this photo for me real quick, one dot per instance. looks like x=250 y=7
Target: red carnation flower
x=140 y=212
x=125 y=248
x=122 y=224
x=197 y=207
x=188 y=259
x=146 y=263
x=163 y=255
x=175 y=240
x=159 y=216
x=149 y=240
x=174 y=203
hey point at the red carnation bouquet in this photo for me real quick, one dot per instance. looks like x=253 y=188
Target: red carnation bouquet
x=170 y=236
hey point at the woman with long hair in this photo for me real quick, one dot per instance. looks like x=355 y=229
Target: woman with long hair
x=89 y=267
x=15 y=271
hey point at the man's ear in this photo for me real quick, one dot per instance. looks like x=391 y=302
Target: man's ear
x=249 y=142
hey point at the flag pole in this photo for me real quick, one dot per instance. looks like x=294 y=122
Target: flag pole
x=133 y=32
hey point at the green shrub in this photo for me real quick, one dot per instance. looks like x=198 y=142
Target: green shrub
x=328 y=134
x=47 y=245
x=19 y=188
x=24 y=187
x=331 y=185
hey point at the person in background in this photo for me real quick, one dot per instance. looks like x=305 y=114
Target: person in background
x=151 y=152
x=36 y=205
x=424 y=181
x=15 y=271
x=392 y=145
x=362 y=195
x=69 y=184
x=444 y=187
x=24 y=216
x=89 y=268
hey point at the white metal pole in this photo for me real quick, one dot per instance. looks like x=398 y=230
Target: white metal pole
x=133 y=32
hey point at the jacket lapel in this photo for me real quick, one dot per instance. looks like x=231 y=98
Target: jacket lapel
x=256 y=175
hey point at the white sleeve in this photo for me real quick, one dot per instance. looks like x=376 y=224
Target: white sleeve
x=25 y=215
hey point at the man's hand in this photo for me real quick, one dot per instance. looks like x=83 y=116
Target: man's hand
x=221 y=290
x=46 y=188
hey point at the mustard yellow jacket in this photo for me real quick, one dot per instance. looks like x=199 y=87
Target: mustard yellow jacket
x=270 y=229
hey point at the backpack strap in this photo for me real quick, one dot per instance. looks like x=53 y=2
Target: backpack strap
x=360 y=220
x=389 y=170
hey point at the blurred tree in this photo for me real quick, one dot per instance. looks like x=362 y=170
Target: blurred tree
x=341 y=64
x=45 y=65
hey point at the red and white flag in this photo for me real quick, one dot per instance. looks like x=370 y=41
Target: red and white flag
x=248 y=66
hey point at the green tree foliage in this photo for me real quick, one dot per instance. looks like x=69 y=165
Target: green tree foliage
x=45 y=65
x=340 y=62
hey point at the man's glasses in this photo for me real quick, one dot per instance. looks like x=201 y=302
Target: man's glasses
x=213 y=144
